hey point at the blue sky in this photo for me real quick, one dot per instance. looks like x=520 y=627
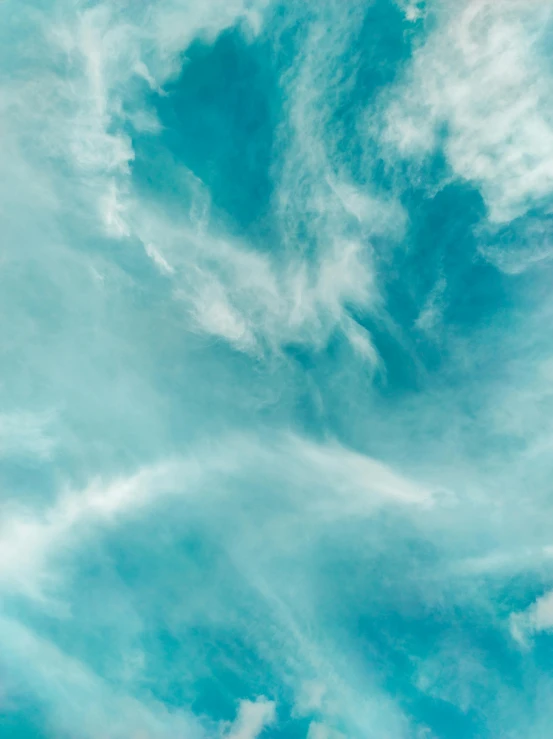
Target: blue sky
x=276 y=381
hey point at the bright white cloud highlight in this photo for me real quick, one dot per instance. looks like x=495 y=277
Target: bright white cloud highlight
x=478 y=81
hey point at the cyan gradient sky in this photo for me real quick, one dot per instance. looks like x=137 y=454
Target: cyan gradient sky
x=276 y=378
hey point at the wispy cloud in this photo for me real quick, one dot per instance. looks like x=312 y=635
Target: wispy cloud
x=293 y=475
x=353 y=485
x=82 y=701
x=478 y=77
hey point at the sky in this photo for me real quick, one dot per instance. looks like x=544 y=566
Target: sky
x=276 y=369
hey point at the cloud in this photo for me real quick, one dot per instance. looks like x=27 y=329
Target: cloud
x=28 y=542
x=430 y=315
x=478 y=77
x=31 y=543
x=358 y=480
x=537 y=618
x=304 y=292
x=258 y=302
x=97 y=709
x=253 y=717
x=523 y=244
x=82 y=702
x=255 y=303
x=306 y=488
x=210 y=493
x=414 y=10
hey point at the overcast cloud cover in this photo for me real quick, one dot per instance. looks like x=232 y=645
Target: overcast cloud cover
x=276 y=389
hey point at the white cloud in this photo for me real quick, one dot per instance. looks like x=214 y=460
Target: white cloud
x=80 y=702
x=357 y=480
x=536 y=618
x=478 y=74
x=271 y=494
x=79 y=112
x=326 y=220
x=176 y=24
x=253 y=717
x=255 y=301
x=214 y=314
x=524 y=244
x=30 y=541
x=83 y=703
x=413 y=10
x=504 y=563
x=159 y=260
x=347 y=483
x=112 y=212
x=430 y=316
